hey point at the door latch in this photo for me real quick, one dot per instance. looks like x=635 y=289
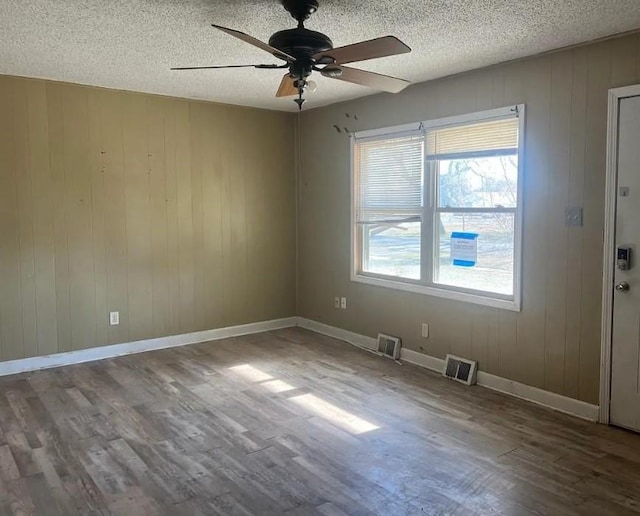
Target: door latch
x=623 y=286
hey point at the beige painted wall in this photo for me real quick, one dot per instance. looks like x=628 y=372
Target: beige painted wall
x=554 y=343
x=180 y=215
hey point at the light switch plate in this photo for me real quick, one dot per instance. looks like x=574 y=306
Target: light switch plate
x=574 y=216
x=114 y=318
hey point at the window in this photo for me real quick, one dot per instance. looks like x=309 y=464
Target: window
x=437 y=207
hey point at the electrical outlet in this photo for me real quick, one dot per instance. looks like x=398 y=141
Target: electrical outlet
x=114 y=318
x=343 y=303
x=425 y=330
x=336 y=302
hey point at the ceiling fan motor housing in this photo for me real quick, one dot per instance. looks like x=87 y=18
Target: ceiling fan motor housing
x=302 y=44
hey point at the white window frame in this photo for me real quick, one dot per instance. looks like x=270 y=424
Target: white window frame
x=490 y=299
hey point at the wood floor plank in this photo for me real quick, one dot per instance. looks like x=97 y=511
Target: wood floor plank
x=18 y=498
x=292 y=422
x=8 y=466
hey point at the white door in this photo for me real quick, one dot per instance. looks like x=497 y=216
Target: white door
x=625 y=368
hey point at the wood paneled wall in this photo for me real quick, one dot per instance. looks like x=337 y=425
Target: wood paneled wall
x=180 y=215
x=554 y=343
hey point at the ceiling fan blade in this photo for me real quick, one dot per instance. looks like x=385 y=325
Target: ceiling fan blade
x=256 y=43
x=372 y=49
x=259 y=66
x=372 y=80
x=287 y=87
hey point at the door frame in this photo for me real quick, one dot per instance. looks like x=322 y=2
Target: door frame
x=608 y=261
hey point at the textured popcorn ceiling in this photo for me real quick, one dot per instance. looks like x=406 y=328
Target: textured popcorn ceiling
x=131 y=44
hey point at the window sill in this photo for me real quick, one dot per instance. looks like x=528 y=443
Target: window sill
x=453 y=295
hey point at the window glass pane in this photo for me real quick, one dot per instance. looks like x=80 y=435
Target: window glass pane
x=392 y=250
x=493 y=270
x=478 y=183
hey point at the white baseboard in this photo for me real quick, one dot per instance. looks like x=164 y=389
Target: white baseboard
x=538 y=396
x=422 y=360
x=368 y=343
x=116 y=350
x=519 y=390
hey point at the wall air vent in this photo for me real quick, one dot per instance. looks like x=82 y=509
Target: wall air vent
x=460 y=369
x=389 y=346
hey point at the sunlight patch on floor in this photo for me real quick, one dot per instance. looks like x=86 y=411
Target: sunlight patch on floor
x=251 y=373
x=277 y=386
x=342 y=418
x=335 y=415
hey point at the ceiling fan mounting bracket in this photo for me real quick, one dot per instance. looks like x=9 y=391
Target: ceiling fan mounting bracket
x=300 y=9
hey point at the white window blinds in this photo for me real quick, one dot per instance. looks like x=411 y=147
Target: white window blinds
x=486 y=138
x=389 y=179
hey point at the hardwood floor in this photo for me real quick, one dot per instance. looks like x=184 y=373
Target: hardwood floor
x=292 y=422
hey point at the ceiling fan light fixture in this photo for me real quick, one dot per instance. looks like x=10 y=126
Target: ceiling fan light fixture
x=332 y=72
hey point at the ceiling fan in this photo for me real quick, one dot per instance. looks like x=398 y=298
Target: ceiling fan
x=305 y=51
